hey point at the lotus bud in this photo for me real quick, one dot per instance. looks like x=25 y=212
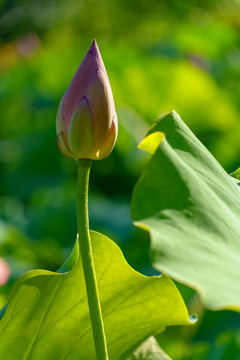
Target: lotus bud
x=5 y=272
x=86 y=118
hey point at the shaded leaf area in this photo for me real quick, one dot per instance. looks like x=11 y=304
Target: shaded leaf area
x=191 y=208
x=47 y=316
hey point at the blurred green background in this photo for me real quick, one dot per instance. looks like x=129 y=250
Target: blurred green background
x=160 y=56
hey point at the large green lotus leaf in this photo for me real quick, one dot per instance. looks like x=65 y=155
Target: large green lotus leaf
x=191 y=207
x=47 y=315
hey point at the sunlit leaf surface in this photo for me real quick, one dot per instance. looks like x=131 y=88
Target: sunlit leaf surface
x=191 y=208
x=47 y=316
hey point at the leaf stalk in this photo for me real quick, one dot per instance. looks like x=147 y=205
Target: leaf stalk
x=84 y=166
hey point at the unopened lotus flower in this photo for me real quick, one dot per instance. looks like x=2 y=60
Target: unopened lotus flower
x=5 y=272
x=86 y=118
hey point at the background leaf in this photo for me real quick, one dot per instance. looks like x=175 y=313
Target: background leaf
x=53 y=311
x=191 y=208
x=149 y=350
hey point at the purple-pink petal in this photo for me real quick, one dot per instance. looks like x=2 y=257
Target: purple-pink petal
x=5 y=272
x=73 y=95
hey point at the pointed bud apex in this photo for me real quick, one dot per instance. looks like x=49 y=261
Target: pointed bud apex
x=86 y=118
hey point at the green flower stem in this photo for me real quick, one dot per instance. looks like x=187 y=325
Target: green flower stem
x=84 y=166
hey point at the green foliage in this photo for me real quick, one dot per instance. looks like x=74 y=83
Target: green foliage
x=47 y=315
x=227 y=346
x=191 y=207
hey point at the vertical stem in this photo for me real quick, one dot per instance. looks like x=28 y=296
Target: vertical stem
x=84 y=166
